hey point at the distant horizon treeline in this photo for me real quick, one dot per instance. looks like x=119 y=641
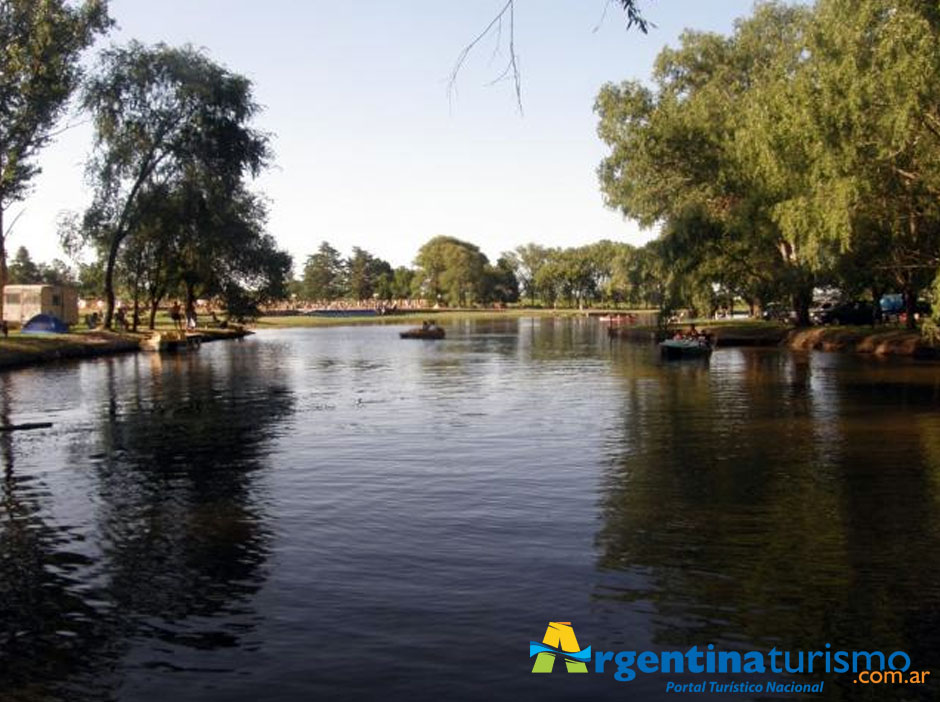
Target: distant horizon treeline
x=456 y=273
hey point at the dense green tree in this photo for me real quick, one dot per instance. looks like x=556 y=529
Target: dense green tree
x=852 y=132
x=642 y=275
x=676 y=156
x=224 y=251
x=401 y=283
x=526 y=260
x=324 y=274
x=450 y=270
x=149 y=266
x=40 y=47
x=576 y=276
x=256 y=275
x=161 y=113
x=367 y=275
x=56 y=272
x=499 y=282
x=91 y=279
x=548 y=281
x=193 y=240
x=23 y=270
x=803 y=149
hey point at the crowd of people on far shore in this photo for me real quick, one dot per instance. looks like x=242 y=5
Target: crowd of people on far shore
x=184 y=317
x=344 y=305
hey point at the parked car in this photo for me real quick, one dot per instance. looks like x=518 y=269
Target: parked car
x=846 y=313
x=818 y=310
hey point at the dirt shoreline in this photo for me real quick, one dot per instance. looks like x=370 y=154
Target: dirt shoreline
x=878 y=341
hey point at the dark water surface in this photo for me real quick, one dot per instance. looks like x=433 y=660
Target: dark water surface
x=337 y=514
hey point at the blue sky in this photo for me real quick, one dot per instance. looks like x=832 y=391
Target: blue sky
x=369 y=149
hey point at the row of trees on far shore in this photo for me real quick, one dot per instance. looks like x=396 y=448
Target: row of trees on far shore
x=447 y=270
x=456 y=273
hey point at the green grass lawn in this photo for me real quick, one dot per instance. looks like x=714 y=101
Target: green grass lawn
x=415 y=318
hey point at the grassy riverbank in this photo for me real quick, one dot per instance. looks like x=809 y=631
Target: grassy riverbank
x=21 y=350
x=415 y=318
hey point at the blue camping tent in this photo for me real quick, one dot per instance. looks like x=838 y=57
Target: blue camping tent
x=45 y=324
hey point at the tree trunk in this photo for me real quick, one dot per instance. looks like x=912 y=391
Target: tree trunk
x=910 y=291
x=109 y=279
x=3 y=262
x=190 y=302
x=876 y=294
x=136 y=317
x=135 y=296
x=802 y=299
x=910 y=307
x=154 y=305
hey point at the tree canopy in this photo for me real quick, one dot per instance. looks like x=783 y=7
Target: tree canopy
x=788 y=153
x=170 y=120
x=40 y=47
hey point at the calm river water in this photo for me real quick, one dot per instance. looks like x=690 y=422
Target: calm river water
x=338 y=514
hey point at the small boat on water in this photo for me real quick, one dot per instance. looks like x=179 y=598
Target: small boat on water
x=428 y=332
x=676 y=349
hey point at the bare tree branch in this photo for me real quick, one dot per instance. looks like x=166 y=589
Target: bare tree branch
x=9 y=229
x=495 y=27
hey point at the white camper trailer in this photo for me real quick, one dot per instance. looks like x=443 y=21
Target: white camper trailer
x=23 y=302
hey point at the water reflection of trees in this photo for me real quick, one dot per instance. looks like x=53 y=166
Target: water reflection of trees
x=178 y=520
x=48 y=623
x=764 y=502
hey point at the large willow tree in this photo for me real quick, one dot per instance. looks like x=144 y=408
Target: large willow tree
x=163 y=116
x=675 y=155
x=854 y=130
x=804 y=148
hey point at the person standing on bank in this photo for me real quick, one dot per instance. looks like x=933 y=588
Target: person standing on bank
x=176 y=314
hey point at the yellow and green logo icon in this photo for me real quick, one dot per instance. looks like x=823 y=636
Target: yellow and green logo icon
x=559 y=640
